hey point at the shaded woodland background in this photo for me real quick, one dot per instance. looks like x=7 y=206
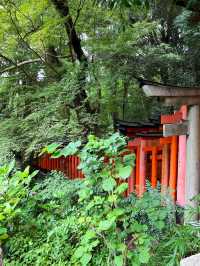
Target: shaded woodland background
x=68 y=67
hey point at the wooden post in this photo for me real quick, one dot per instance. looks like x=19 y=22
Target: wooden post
x=137 y=170
x=154 y=168
x=142 y=169
x=165 y=168
x=173 y=167
x=192 y=183
x=182 y=163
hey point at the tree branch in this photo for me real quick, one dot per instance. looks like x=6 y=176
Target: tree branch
x=80 y=7
x=17 y=65
x=27 y=44
x=14 y=65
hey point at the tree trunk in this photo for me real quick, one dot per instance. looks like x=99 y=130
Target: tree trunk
x=81 y=98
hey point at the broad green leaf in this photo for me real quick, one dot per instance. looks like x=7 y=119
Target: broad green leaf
x=3 y=237
x=2 y=217
x=105 y=225
x=160 y=225
x=85 y=259
x=112 y=198
x=56 y=154
x=79 y=252
x=88 y=236
x=50 y=148
x=93 y=244
x=125 y=171
x=118 y=260
x=121 y=188
x=3 y=230
x=84 y=193
x=115 y=213
x=71 y=148
x=34 y=173
x=144 y=256
x=109 y=184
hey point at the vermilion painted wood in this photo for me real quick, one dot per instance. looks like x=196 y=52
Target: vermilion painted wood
x=70 y=169
x=68 y=162
x=46 y=162
x=167 y=140
x=142 y=169
x=42 y=162
x=135 y=145
x=182 y=163
x=154 y=168
x=75 y=170
x=149 y=148
x=158 y=156
x=165 y=168
x=57 y=164
x=53 y=164
x=137 y=183
x=171 y=119
x=173 y=166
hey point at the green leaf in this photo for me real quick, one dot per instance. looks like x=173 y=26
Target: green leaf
x=105 y=225
x=121 y=188
x=71 y=148
x=79 y=252
x=50 y=148
x=109 y=184
x=144 y=256
x=85 y=259
x=84 y=193
x=160 y=225
x=57 y=154
x=11 y=166
x=129 y=159
x=4 y=236
x=125 y=171
x=88 y=236
x=3 y=230
x=2 y=217
x=34 y=173
x=115 y=213
x=118 y=260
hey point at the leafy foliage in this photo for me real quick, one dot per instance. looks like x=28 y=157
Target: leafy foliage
x=13 y=190
x=39 y=97
x=90 y=222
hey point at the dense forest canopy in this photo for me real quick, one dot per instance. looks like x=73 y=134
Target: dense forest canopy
x=68 y=67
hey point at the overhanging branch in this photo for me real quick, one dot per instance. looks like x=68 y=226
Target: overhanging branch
x=17 y=65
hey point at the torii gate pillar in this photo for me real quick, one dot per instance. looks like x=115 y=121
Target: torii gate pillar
x=173 y=96
x=192 y=183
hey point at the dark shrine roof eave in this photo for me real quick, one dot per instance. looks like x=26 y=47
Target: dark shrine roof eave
x=151 y=88
x=136 y=124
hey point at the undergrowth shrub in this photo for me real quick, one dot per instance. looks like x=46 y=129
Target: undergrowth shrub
x=90 y=222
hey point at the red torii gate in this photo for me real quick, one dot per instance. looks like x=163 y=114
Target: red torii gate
x=158 y=158
x=177 y=96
